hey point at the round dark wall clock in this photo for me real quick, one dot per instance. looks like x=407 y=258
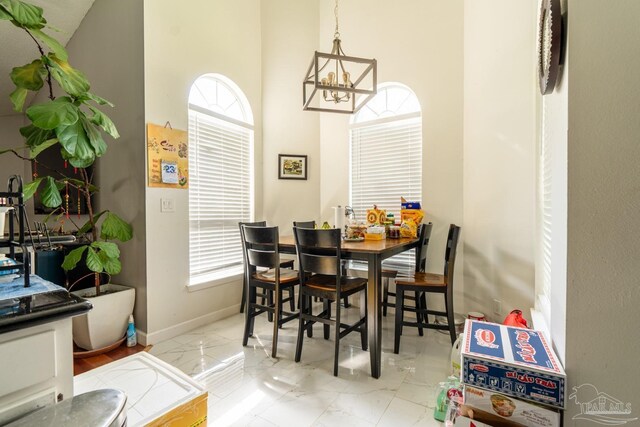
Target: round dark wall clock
x=549 y=43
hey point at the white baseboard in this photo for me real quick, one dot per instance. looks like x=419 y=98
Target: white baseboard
x=181 y=328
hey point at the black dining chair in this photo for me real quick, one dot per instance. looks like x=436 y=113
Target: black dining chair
x=424 y=234
x=312 y=225
x=288 y=263
x=321 y=275
x=425 y=283
x=261 y=252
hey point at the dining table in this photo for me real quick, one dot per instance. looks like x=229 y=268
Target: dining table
x=373 y=252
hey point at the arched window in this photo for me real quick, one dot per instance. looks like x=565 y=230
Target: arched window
x=220 y=172
x=386 y=153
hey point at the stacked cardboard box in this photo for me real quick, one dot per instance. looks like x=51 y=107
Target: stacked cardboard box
x=512 y=376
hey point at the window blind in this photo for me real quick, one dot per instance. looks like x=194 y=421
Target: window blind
x=386 y=164
x=219 y=195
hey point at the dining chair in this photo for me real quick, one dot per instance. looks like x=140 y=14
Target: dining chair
x=312 y=225
x=284 y=264
x=260 y=244
x=321 y=275
x=424 y=234
x=424 y=283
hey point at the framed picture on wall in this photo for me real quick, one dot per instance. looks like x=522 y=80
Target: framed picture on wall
x=292 y=166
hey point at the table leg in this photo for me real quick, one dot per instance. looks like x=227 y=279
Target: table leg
x=374 y=314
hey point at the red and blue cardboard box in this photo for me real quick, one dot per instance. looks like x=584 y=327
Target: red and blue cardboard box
x=514 y=361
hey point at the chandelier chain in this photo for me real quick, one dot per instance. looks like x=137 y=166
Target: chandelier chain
x=336 y=35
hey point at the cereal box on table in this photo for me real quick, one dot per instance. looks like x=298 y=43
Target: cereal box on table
x=514 y=361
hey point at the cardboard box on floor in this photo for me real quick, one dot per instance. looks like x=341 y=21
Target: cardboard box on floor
x=513 y=361
x=158 y=394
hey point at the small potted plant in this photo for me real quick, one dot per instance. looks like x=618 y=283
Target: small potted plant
x=74 y=123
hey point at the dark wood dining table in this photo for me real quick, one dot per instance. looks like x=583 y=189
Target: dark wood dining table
x=373 y=252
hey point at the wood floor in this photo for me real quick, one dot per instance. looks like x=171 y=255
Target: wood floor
x=86 y=364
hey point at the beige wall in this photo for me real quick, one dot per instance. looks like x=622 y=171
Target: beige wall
x=602 y=292
x=10 y=138
x=417 y=43
x=289 y=38
x=499 y=155
x=181 y=44
x=108 y=48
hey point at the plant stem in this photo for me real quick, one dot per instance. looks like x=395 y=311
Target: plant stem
x=64 y=177
x=87 y=195
x=51 y=97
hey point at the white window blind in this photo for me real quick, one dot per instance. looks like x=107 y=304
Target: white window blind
x=386 y=164
x=219 y=195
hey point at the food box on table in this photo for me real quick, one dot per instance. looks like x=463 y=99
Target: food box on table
x=500 y=410
x=514 y=361
x=468 y=422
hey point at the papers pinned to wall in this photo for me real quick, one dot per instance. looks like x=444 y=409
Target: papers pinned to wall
x=167 y=157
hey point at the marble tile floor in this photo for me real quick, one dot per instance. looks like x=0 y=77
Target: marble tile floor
x=247 y=387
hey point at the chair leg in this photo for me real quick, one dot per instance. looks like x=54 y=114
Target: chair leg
x=337 y=343
x=327 y=309
x=346 y=302
x=301 y=325
x=363 y=315
x=419 y=314
x=450 y=321
x=277 y=320
x=248 y=317
x=292 y=299
x=399 y=312
x=423 y=301
x=385 y=296
x=270 y=303
x=309 y=308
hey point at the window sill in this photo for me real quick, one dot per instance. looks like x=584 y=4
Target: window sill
x=213 y=281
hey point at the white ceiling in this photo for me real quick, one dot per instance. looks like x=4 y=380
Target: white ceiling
x=17 y=48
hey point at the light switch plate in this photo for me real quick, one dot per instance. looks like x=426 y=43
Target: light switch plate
x=167 y=205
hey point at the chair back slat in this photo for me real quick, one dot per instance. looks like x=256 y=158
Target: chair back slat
x=319 y=264
x=304 y=224
x=423 y=244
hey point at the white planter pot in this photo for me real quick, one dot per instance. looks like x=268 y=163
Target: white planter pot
x=107 y=322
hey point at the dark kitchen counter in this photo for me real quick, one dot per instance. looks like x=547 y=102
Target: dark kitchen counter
x=42 y=302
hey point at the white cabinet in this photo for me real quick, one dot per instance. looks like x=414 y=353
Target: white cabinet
x=36 y=368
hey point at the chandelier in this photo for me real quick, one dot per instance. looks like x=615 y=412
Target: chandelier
x=333 y=79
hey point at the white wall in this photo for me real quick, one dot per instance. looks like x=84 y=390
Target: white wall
x=499 y=155
x=417 y=43
x=183 y=42
x=108 y=48
x=289 y=38
x=602 y=292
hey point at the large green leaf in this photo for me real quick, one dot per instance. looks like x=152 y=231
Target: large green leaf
x=50 y=196
x=115 y=228
x=71 y=80
x=30 y=188
x=97 y=99
x=93 y=261
x=36 y=136
x=101 y=119
x=87 y=227
x=33 y=153
x=52 y=114
x=29 y=76
x=55 y=46
x=109 y=248
x=73 y=258
x=111 y=265
x=18 y=97
x=24 y=14
x=95 y=137
x=71 y=136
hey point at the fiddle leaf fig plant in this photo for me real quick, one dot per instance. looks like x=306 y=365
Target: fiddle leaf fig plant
x=75 y=124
